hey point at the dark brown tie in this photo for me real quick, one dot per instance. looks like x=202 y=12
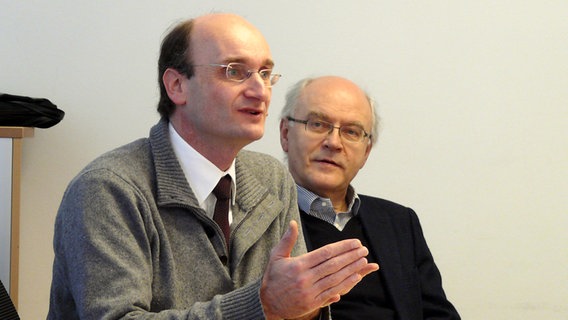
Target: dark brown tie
x=221 y=215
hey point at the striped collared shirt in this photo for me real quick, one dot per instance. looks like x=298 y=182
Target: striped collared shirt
x=322 y=208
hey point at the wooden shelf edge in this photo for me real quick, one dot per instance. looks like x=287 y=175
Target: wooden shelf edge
x=16 y=132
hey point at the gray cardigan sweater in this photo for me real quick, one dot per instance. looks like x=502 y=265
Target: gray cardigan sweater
x=132 y=243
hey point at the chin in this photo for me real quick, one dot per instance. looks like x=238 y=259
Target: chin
x=257 y=136
x=258 y=133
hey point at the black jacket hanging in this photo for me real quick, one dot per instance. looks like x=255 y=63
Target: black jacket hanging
x=20 y=111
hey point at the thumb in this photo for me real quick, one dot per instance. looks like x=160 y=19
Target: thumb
x=284 y=248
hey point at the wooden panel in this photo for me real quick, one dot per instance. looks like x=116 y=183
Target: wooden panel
x=15 y=245
x=16 y=134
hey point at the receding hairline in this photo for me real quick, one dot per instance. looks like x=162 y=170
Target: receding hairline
x=211 y=27
x=297 y=93
x=214 y=22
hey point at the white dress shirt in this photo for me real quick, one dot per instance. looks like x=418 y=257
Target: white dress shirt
x=201 y=174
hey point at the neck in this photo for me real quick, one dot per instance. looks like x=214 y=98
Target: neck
x=221 y=152
x=339 y=206
x=338 y=199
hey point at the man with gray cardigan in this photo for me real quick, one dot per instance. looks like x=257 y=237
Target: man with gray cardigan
x=137 y=234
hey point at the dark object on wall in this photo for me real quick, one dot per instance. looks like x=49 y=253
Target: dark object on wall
x=7 y=310
x=19 y=111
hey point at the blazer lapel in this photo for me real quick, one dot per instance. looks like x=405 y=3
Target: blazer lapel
x=383 y=245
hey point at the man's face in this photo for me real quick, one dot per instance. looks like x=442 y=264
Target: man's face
x=326 y=163
x=219 y=111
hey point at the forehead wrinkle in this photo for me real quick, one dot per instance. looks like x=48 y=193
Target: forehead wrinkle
x=332 y=95
x=324 y=116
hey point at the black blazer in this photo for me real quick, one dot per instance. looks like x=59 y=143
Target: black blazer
x=411 y=277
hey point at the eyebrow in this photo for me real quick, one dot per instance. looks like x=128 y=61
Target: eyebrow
x=268 y=63
x=313 y=114
x=323 y=116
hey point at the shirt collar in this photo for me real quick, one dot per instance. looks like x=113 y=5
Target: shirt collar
x=201 y=174
x=322 y=208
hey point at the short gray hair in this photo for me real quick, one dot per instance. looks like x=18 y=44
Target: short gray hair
x=296 y=90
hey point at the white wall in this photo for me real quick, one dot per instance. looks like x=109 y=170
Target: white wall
x=473 y=95
x=6 y=153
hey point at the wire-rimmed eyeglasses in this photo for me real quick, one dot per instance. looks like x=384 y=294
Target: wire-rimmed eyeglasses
x=350 y=132
x=239 y=72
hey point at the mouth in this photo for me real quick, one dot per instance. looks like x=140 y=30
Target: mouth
x=328 y=162
x=253 y=112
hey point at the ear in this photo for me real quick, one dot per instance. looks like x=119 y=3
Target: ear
x=173 y=82
x=284 y=134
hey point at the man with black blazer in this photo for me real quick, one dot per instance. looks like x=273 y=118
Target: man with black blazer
x=323 y=162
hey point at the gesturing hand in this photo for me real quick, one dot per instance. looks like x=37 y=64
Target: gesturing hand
x=293 y=287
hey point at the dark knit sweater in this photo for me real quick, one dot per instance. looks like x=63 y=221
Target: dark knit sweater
x=368 y=299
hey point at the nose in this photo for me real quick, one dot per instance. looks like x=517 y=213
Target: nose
x=256 y=88
x=333 y=140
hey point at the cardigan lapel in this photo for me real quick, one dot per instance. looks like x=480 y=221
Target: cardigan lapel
x=255 y=210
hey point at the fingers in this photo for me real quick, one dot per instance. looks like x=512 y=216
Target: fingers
x=340 y=283
x=354 y=258
x=296 y=286
x=370 y=267
x=325 y=253
x=284 y=248
x=339 y=274
x=353 y=279
x=349 y=273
